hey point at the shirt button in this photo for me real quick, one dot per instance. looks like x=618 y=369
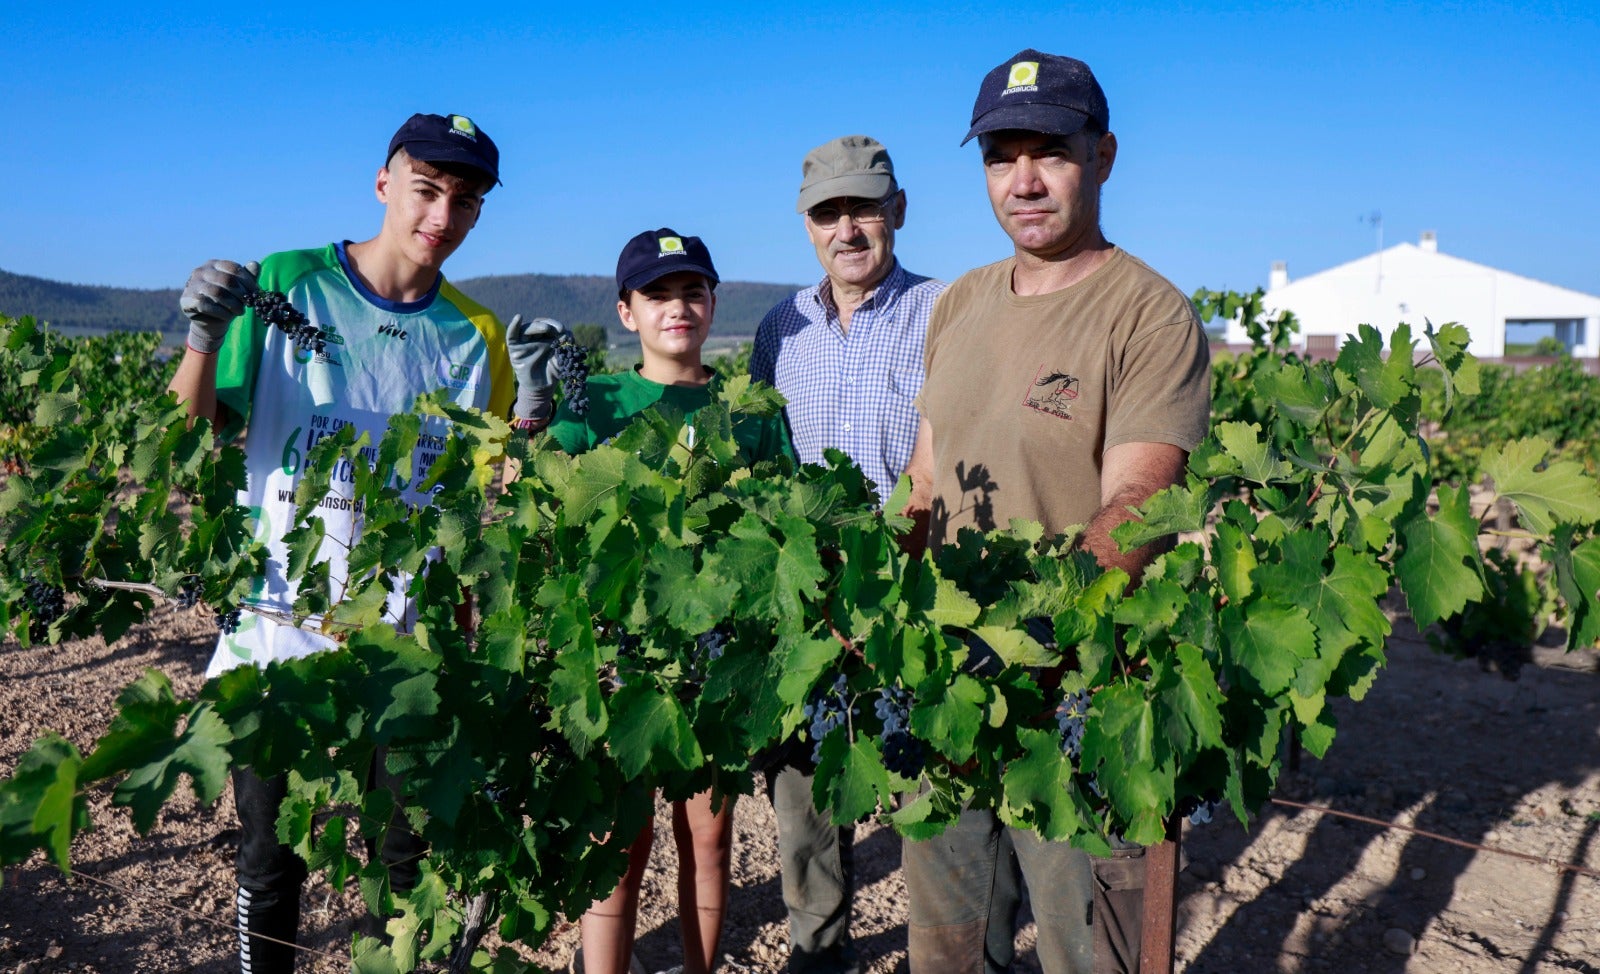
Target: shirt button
x=847 y=427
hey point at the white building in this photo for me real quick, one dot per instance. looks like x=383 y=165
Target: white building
x=1413 y=283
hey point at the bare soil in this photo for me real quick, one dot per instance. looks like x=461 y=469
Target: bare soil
x=1438 y=745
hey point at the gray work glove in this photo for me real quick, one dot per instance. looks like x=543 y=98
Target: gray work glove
x=214 y=297
x=531 y=345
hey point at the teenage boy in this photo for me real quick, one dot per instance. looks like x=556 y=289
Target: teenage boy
x=666 y=294
x=392 y=328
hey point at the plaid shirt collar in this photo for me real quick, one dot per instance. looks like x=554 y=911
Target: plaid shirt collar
x=881 y=297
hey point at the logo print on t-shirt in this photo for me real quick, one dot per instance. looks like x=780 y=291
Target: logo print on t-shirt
x=1052 y=392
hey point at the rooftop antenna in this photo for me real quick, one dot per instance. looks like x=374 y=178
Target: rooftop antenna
x=1375 y=220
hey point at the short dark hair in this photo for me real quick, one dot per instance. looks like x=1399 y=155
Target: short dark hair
x=460 y=174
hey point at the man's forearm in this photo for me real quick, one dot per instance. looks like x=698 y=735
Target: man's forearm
x=1097 y=538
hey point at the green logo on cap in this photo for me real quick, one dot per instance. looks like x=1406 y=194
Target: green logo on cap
x=462 y=125
x=671 y=245
x=1023 y=73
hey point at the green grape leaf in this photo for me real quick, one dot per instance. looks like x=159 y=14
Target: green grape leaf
x=948 y=716
x=1134 y=766
x=1295 y=391
x=1258 y=461
x=1036 y=787
x=774 y=577
x=1577 y=568
x=1440 y=568
x=199 y=751
x=1385 y=380
x=1267 y=641
x=1187 y=686
x=851 y=779
x=1560 y=491
x=649 y=730
x=691 y=600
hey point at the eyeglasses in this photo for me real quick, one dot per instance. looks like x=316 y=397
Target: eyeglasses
x=872 y=211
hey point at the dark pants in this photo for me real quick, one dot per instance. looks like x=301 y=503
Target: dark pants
x=817 y=859
x=965 y=887
x=270 y=874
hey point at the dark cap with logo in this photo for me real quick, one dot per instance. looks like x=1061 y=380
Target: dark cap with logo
x=447 y=138
x=1038 y=92
x=657 y=253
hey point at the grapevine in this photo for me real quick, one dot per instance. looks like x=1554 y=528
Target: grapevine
x=572 y=365
x=1312 y=501
x=274 y=308
x=44 y=604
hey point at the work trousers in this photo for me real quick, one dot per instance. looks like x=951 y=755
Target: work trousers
x=965 y=888
x=270 y=875
x=818 y=868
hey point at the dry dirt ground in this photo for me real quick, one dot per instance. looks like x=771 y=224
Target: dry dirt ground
x=1438 y=745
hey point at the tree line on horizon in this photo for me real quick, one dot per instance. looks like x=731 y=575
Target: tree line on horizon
x=574 y=299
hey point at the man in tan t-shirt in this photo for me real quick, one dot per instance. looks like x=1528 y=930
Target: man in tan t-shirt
x=1065 y=384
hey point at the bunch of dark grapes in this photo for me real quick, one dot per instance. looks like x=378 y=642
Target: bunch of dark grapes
x=628 y=644
x=228 y=622
x=712 y=643
x=44 y=603
x=902 y=754
x=829 y=710
x=572 y=366
x=1199 y=810
x=274 y=308
x=1071 y=714
x=189 y=595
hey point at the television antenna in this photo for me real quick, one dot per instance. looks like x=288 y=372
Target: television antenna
x=1375 y=220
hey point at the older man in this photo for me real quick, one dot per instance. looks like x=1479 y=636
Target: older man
x=847 y=354
x=1068 y=382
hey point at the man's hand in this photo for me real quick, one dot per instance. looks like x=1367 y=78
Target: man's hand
x=531 y=346
x=214 y=297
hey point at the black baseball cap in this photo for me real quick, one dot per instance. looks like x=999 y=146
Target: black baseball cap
x=1038 y=92
x=657 y=253
x=447 y=138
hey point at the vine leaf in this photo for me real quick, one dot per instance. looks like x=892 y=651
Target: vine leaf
x=1037 y=788
x=1578 y=580
x=1561 y=491
x=650 y=730
x=1440 y=569
x=1268 y=640
x=1258 y=462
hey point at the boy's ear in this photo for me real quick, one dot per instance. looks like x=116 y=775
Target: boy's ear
x=381 y=184
x=626 y=314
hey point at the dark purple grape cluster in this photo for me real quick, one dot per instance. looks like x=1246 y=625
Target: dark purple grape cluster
x=711 y=644
x=45 y=604
x=829 y=710
x=189 y=595
x=228 y=622
x=1199 y=809
x=1071 y=714
x=273 y=307
x=572 y=365
x=903 y=754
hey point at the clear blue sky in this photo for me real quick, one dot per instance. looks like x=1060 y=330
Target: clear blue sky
x=141 y=139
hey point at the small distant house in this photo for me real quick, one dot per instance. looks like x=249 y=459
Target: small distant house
x=1415 y=282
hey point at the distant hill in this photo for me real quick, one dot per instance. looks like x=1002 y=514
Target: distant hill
x=590 y=298
x=573 y=299
x=76 y=308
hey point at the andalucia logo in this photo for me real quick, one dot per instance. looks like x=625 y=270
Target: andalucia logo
x=462 y=125
x=670 y=246
x=1024 y=77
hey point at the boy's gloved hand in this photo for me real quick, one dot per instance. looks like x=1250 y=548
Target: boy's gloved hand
x=213 y=297
x=531 y=345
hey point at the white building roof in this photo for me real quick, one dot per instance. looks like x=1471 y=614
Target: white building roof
x=1415 y=283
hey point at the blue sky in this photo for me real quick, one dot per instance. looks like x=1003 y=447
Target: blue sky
x=145 y=138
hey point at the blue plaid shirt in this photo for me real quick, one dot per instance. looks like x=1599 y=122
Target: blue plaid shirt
x=853 y=391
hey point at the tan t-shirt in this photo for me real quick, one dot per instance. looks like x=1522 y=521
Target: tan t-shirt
x=1025 y=393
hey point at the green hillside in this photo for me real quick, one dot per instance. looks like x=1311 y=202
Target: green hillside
x=86 y=308
x=573 y=299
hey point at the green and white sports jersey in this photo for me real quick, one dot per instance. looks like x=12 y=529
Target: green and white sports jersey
x=380 y=355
